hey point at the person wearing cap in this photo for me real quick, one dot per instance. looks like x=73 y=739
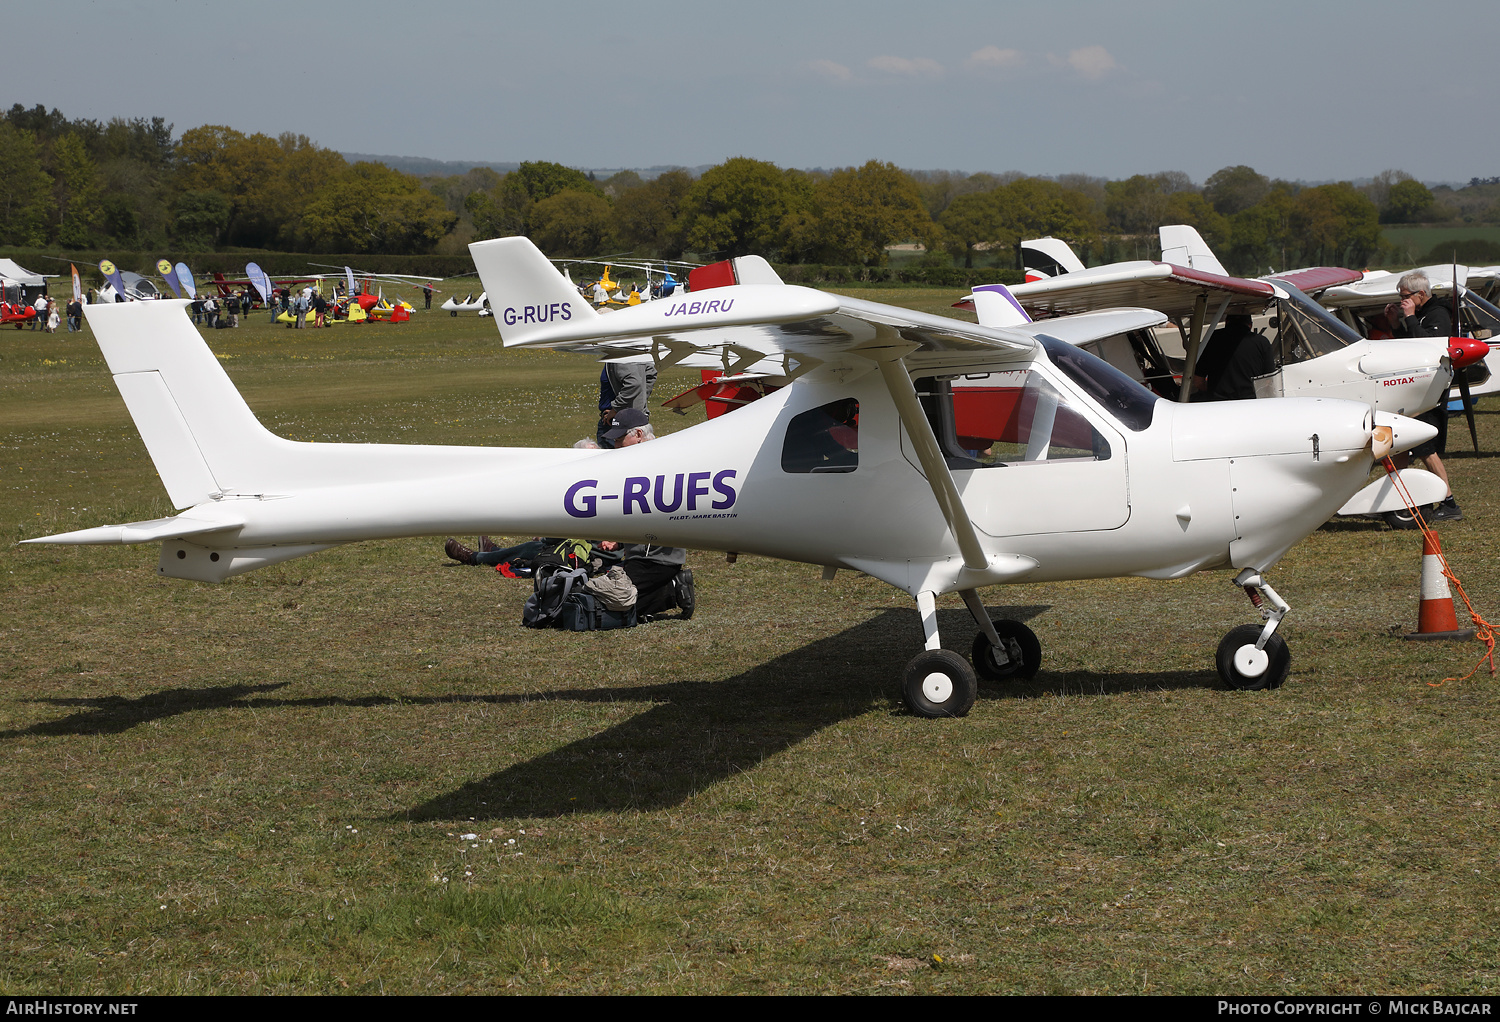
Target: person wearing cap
x=623 y=385
x=628 y=426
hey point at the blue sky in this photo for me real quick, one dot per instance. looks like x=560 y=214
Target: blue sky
x=1311 y=90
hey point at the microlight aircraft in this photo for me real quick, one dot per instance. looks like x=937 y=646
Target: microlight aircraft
x=933 y=454
x=1316 y=353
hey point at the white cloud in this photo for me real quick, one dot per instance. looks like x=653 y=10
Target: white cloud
x=993 y=58
x=831 y=70
x=912 y=67
x=1093 y=62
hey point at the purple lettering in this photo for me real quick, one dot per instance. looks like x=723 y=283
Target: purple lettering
x=567 y=311
x=712 y=306
x=721 y=483
x=697 y=487
x=661 y=486
x=530 y=316
x=510 y=317
x=586 y=506
x=695 y=308
x=725 y=306
x=636 y=488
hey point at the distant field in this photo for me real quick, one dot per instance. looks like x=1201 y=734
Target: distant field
x=1413 y=244
x=265 y=786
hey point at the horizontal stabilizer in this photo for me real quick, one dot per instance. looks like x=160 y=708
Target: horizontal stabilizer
x=1381 y=496
x=139 y=532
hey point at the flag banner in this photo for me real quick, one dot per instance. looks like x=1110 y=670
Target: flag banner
x=112 y=274
x=261 y=281
x=170 y=276
x=348 y=273
x=77 y=284
x=185 y=278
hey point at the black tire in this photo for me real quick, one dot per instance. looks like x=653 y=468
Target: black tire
x=1279 y=662
x=939 y=683
x=1022 y=647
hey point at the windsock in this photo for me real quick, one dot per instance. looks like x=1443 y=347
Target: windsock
x=1435 y=616
x=170 y=276
x=185 y=278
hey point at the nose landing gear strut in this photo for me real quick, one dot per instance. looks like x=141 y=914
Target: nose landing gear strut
x=1253 y=657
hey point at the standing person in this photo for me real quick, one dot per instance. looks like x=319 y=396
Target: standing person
x=232 y=306
x=1417 y=315
x=623 y=385
x=211 y=312
x=1231 y=360
x=51 y=316
x=39 y=321
x=426 y=296
x=75 y=316
x=320 y=309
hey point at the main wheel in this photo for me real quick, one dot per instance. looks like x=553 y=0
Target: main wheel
x=939 y=683
x=1022 y=649
x=1244 y=667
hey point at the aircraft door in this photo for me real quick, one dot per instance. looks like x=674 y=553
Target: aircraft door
x=1027 y=457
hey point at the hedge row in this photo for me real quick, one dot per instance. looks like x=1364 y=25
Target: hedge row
x=232 y=263
x=932 y=276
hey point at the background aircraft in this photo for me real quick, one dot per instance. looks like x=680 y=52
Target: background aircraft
x=1051 y=465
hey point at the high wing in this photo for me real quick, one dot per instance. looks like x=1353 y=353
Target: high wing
x=755 y=324
x=1172 y=289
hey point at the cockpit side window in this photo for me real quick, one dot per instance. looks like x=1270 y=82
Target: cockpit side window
x=823 y=439
x=992 y=420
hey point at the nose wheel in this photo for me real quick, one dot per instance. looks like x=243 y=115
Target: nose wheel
x=1249 y=669
x=1255 y=657
x=939 y=683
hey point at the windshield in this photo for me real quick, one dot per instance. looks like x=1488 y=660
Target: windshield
x=1306 y=330
x=1116 y=393
x=1481 y=314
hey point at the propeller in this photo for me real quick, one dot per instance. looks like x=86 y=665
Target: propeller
x=1463 y=374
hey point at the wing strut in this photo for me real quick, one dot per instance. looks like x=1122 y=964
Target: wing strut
x=904 y=395
x=1197 y=331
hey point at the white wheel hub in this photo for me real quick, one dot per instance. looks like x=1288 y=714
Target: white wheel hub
x=937 y=687
x=1251 y=662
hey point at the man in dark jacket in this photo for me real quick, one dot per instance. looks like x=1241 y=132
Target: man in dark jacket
x=1418 y=315
x=1231 y=360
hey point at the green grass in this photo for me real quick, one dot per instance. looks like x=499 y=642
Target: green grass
x=264 y=786
x=1414 y=244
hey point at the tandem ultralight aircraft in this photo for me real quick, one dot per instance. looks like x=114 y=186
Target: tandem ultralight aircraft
x=933 y=454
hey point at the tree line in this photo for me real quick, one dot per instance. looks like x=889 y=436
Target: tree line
x=82 y=184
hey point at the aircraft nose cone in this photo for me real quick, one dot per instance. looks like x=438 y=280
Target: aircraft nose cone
x=1465 y=351
x=1406 y=433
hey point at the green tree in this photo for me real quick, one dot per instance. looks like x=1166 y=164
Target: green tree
x=1410 y=202
x=1195 y=210
x=1138 y=205
x=371 y=208
x=200 y=218
x=77 y=192
x=1337 y=224
x=973 y=219
x=25 y=188
x=571 y=223
x=861 y=211
x=739 y=207
x=1234 y=189
x=648 y=217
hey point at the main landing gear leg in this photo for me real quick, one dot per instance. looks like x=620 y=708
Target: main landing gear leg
x=1003 y=650
x=938 y=682
x=1253 y=657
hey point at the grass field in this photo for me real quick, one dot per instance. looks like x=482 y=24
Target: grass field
x=356 y=772
x=1413 y=244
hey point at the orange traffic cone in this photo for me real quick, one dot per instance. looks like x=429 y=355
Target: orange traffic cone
x=1436 y=619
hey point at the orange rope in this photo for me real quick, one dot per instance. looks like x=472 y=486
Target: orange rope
x=1483 y=630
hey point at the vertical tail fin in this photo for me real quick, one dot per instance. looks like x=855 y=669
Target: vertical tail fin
x=1184 y=246
x=526 y=291
x=997 y=307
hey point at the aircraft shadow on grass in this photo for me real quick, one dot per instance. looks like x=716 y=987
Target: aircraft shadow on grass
x=693 y=735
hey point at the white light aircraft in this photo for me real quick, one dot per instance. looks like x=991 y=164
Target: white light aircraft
x=1316 y=353
x=470 y=304
x=933 y=454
